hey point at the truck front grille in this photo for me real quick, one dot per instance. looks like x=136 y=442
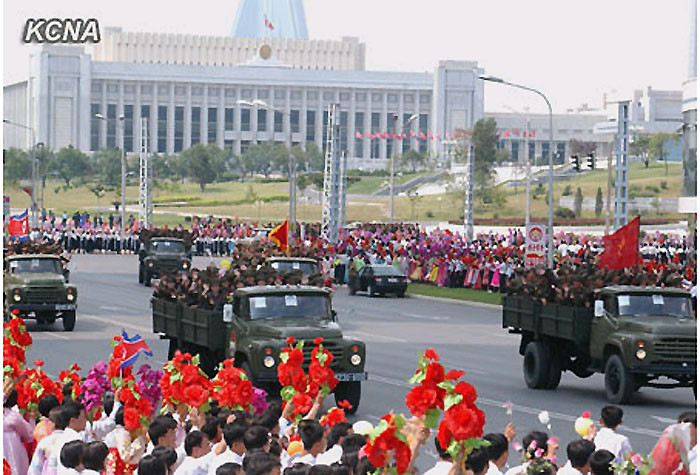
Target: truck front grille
x=677 y=350
x=168 y=265
x=43 y=295
x=334 y=350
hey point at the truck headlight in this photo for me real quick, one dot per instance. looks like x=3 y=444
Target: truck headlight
x=150 y=264
x=185 y=265
x=641 y=354
x=269 y=361
x=356 y=359
x=70 y=297
x=17 y=297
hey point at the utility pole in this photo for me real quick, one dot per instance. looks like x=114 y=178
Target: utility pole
x=330 y=212
x=607 y=197
x=145 y=201
x=469 y=193
x=621 y=171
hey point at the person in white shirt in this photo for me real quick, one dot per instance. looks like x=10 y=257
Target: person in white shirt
x=163 y=431
x=75 y=419
x=578 y=452
x=607 y=438
x=444 y=465
x=167 y=455
x=152 y=465
x=235 y=448
x=71 y=458
x=94 y=456
x=40 y=458
x=199 y=454
x=497 y=452
x=313 y=440
x=260 y=462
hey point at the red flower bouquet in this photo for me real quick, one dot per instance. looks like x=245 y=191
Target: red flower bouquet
x=184 y=382
x=35 y=384
x=385 y=441
x=71 y=375
x=16 y=340
x=117 y=376
x=463 y=423
x=428 y=398
x=320 y=370
x=231 y=387
x=333 y=417
x=137 y=409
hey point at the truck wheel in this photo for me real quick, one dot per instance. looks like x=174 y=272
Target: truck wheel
x=140 y=274
x=619 y=383
x=536 y=365
x=370 y=290
x=68 y=321
x=349 y=391
x=554 y=377
x=147 y=278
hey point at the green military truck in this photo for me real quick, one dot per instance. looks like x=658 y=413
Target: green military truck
x=636 y=336
x=163 y=255
x=306 y=265
x=253 y=329
x=36 y=286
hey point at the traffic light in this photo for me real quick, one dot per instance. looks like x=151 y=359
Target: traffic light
x=577 y=164
x=590 y=161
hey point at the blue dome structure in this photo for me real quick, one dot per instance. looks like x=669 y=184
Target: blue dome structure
x=270 y=19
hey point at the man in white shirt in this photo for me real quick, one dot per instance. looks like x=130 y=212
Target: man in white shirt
x=199 y=454
x=607 y=438
x=444 y=465
x=497 y=452
x=163 y=431
x=74 y=415
x=313 y=440
x=578 y=452
x=235 y=448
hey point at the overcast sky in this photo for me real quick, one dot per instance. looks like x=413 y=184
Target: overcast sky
x=573 y=51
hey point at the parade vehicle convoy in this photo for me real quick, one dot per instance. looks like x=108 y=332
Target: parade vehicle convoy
x=636 y=336
x=307 y=266
x=378 y=279
x=36 y=286
x=253 y=329
x=163 y=255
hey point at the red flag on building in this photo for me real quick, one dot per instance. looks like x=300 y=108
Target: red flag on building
x=621 y=247
x=532 y=133
x=430 y=136
x=268 y=24
x=422 y=136
x=27 y=190
x=358 y=135
x=506 y=133
x=279 y=236
x=413 y=134
x=19 y=224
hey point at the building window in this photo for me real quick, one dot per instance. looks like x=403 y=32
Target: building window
x=94 y=127
x=211 y=125
x=294 y=121
x=180 y=90
x=374 y=148
x=328 y=95
x=392 y=98
x=146 y=89
x=228 y=119
x=128 y=128
x=247 y=93
x=196 y=91
x=360 y=97
x=545 y=151
x=196 y=124
x=162 y=128
x=514 y=150
x=424 y=98
x=408 y=99
x=280 y=94
x=561 y=150
x=406 y=143
x=179 y=128
x=390 y=130
x=263 y=93
x=376 y=97
x=324 y=131
x=344 y=96
x=312 y=95
x=359 y=127
x=262 y=120
x=310 y=126
x=423 y=128
x=244 y=146
x=111 y=126
x=344 y=131
x=279 y=122
x=531 y=150
x=245 y=120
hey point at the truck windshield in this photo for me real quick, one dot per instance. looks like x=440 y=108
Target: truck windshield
x=306 y=268
x=289 y=306
x=654 y=305
x=168 y=247
x=35 y=266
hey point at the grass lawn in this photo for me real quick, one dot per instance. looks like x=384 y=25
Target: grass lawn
x=370 y=184
x=458 y=294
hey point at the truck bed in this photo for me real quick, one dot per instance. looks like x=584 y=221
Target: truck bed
x=554 y=320
x=189 y=325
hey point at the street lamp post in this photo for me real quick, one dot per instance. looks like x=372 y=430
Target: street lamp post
x=550 y=226
x=120 y=121
x=391 y=161
x=35 y=168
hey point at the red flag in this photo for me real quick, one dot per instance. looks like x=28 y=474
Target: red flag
x=532 y=133
x=27 y=190
x=422 y=136
x=430 y=136
x=358 y=135
x=621 y=247
x=437 y=136
x=506 y=133
x=19 y=225
x=268 y=24
x=516 y=131
x=383 y=135
x=404 y=136
x=279 y=236
x=413 y=134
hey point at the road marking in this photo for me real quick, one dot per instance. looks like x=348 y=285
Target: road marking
x=374 y=335
x=57 y=335
x=664 y=420
x=110 y=321
x=425 y=317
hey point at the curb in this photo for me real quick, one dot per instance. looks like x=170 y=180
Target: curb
x=489 y=306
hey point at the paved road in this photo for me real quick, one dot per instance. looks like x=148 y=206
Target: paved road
x=467 y=337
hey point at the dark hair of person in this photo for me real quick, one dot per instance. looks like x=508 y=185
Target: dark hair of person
x=72 y=453
x=259 y=462
x=477 y=460
x=211 y=427
x=67 y=389
x=275 y=447
x=320 y=470
x=152 y=465
x=234 y=432
x=310 y=434
x=364 y=467
x=193 y=439
x=229 y=468
x=255 y=437
x=339 y=468
x=353 y=442
x=11 y=400
x=167 y=454
x=350 y=459
x=108 y=400
x=56 y=416
x=243 y=416
x=442 y=453
x=601 y=462
x=689 y=416
x=156 y=430
x=119 y=416
x=46 y=403
x=498 y=444
x=268 y=419
x=297 y=469
x=578 y=451
x=94 y=456
x=540 y=439
x=339 y=430
x=71 y=410
x=612 y=416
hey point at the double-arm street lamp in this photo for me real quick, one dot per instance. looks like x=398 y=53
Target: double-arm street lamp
x=550 y=226
x=398 y=132
x=35 y=167
x=291 y=224
x=120 y=121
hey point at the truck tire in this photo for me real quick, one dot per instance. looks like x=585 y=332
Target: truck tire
x=68 y=321
x=619 y=383
x=350 y=391
x=370 y=290
x=536 y=365
x=554 y=377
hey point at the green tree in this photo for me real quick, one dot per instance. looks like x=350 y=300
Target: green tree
x=45 y=158
x=483 y=138
x=598 y=202
x=258 y=158
x=180 y=167
x=639 y=146
x=108 y=164
x=578 y=202
x=71 y=163
x=412 y=160
x=205 y=163
x=313 y=157
x=414 y=198
x=280 y=158
x=18 y=165
x=162 y=165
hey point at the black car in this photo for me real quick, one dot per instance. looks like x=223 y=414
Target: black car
x=379 y=279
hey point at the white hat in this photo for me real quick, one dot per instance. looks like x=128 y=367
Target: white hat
x=362 y=427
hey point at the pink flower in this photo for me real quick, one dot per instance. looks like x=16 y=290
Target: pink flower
x=637 y=460
x=539 y=453
x=517 y=447
x=532 y=446
x=586 y=415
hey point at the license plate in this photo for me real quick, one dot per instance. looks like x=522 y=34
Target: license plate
x=393 y=281
x=351 y=376
x=65 y=307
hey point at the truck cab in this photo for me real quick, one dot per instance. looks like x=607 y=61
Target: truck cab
x=284 y=264
x=163 y=255
x=36 y=287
